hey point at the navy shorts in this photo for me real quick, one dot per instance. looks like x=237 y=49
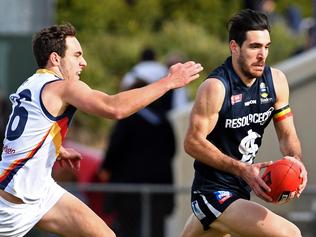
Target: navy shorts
x=207 y=207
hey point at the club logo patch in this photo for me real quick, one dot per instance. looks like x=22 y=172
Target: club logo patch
x=222 y=196
x=263 y=90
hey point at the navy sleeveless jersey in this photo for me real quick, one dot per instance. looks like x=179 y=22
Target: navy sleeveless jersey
x=245 y=113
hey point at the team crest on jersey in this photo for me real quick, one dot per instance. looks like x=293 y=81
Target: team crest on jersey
x=222 y=196
x=264 y=94
x=248 y=147
x=263 y=90
x=236 y=98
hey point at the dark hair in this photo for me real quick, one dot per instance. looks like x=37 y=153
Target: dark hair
x=51 y=39
x=246 y=20
x=148 y=54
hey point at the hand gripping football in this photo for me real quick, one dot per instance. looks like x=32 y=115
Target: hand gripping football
x=283 y=177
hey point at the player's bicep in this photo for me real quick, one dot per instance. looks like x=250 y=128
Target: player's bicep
x=281 y=89
x=283 y=117
x=86 y=99
x=205 y=110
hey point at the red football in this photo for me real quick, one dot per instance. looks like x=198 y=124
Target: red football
x=283 y=177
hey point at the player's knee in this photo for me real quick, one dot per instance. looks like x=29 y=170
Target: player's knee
x=292 y=231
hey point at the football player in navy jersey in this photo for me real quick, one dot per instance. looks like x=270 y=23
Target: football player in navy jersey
x=232 y=108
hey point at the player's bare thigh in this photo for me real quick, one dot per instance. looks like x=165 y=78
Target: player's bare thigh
x=70 y=217
x=193 y=228
x=247 y=219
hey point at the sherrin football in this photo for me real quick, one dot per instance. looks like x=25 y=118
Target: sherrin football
x=283 y=177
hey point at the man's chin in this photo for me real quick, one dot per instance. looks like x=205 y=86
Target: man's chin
x=257 y=74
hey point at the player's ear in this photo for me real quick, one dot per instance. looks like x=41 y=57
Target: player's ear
x=54 y=58
x=233 y=47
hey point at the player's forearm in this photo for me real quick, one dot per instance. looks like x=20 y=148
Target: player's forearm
x=132 y=101
x=290 y=146
x=210 y=155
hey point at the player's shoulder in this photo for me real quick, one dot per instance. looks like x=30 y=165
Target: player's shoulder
x=212 y=85
x=277 y=74
x=66 y=85
x=279 y=78
x=212 y=90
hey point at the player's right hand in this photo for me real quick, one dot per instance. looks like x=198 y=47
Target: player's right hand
x=181 y=74
x=252 y=177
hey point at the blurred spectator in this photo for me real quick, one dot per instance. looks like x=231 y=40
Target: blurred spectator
x=293 y=17
x=147 y=68
x=150 y=70
x=313 y=34
x=140 y=151
x=308 y=41
x=268 y=7
x=251 y=4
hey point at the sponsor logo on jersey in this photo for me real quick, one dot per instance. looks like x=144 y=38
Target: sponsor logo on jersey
x=236 y=98
x=250 y=102
x=260 y=118
x=222 y=196
x=8 y=150
x=265 y=100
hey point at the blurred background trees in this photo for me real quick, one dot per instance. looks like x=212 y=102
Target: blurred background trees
x=113 y=32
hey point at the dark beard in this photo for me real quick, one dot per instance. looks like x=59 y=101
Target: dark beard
x=245 y=71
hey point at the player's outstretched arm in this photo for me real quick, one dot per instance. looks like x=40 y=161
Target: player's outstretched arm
x=126 y=103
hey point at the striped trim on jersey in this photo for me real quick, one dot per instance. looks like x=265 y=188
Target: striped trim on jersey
x=8 y=173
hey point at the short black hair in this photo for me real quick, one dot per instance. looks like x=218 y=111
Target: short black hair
x=51 y=39
x=246 y=20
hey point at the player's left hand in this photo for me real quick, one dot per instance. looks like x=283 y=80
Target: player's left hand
x=69 y=157
x=303 y=175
